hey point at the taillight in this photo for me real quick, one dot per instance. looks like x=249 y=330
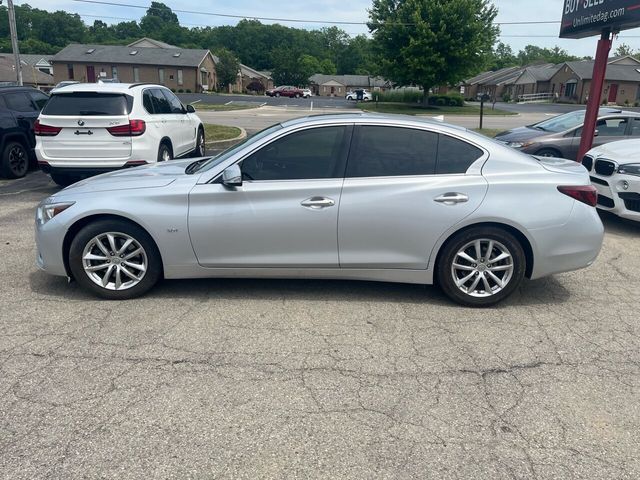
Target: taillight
x=45 y=130
x=134 y=128
x=583 y=193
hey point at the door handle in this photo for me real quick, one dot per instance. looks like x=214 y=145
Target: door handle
x=452 y=198
x=317 y=203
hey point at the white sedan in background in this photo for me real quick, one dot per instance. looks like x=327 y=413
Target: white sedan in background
x=614 y=169
x=366 y=96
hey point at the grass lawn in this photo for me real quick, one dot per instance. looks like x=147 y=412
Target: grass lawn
x=221 y=107
x=220 y=132
x=489 y=132
x=415 y=109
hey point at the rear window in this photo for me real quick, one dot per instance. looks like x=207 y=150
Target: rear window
x=88 y=103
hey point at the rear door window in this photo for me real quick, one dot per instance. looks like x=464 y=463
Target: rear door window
x=19 y=102
x=160 y=103
x=147 y=101
x=455 y=156
x=88 y=103
x=379 y=151
x=40 y=99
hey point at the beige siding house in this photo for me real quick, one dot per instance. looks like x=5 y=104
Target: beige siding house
x=147 y=60
x=339 y=85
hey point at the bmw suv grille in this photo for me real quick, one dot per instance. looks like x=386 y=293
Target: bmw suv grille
x=605 y=167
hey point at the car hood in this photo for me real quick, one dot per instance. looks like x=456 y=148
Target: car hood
x=519 y=134
x=147 y=176
x=623 y=152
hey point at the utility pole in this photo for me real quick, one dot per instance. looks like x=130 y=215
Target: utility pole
x=14 y=40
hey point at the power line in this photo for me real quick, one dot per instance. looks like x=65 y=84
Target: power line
x=277 y=19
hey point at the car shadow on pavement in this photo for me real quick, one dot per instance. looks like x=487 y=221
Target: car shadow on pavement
x=622 y=226
x=532 y=292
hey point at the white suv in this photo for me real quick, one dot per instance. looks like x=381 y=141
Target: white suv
x=90 y=128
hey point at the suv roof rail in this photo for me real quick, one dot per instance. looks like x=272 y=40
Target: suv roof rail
x=140 y=83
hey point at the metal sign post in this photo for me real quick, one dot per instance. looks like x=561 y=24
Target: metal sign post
x=595 y=94
x=14 y=40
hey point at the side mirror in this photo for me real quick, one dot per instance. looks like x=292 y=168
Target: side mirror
x=596 y=133
x=232 y=176
x=190 y=109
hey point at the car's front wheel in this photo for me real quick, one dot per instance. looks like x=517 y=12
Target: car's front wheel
x=115 y=259
x=15 y=160
x=199 y=151
x=277 y=94
x=481 y=266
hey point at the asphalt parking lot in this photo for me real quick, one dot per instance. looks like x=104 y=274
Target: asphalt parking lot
x=316 y=379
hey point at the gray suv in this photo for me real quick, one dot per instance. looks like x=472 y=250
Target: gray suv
x=560 y=136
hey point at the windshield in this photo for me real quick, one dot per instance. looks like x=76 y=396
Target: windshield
x=561 y=123
x=88 y=103
x=213 y=161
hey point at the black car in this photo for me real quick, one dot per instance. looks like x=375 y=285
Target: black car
x=19 y=109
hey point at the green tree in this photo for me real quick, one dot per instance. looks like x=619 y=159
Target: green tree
x=532 y=54
x=623 y=50
x=292 y=68
x=432 y=42
x=502 y=57
x=227 y=68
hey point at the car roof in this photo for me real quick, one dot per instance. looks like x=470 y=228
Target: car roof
x=125 y=88
x=373 y=118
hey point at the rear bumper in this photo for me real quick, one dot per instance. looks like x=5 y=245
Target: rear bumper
x=573 y=246
x=84 y=172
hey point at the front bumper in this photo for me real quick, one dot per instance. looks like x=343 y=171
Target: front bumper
x=49 y=246
x=618 y=194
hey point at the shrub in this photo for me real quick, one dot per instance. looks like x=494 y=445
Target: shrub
x=188 y=90
x=173 y=90
x=506 y=97
x=255 y=86
x=180 y=90
x=441 y=101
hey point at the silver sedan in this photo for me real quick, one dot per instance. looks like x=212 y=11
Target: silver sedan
x=356 y=196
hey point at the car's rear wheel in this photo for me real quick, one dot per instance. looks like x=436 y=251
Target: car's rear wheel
x=115 y=259
x=200 y=149
x=63 y=179
x=481 y=266
x=15 y=160
x=548 y=152
x=164 y=153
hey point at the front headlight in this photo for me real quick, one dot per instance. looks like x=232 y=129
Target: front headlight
x=519 y=144
x=47 y=211
x=631 y=169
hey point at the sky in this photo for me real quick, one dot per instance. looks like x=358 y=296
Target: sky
x=517 y=36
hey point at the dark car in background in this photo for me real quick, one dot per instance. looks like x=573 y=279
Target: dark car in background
x=19 y=109
x=560 y=136
x=285 y=91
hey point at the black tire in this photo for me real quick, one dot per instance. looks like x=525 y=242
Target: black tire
x=154 y=261
x=200 y=149
x=15 y=160
x=548 y=152
x=162 y=150
x=63 y=179
x=445 y=273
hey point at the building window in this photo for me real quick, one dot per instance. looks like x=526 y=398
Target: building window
x=180 y=80
x=136 y=74
x=114 y=72
x=70 y=71
x=204 y=79
x=170 y=77
x=161 y=75
x=570 y=91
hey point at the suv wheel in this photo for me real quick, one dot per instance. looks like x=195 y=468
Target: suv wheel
x=15 y=160
x=164 y=153
x=63 y=180
x=481 y=266
x=115 y=259
x=199 y=151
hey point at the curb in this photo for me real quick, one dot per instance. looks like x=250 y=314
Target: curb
x=228 y=142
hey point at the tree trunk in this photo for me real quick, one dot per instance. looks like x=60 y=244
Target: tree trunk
x=425 y=96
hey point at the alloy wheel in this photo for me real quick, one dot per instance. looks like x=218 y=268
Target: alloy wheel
x=114 y=261
x=482 y=268
x=18 y=161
